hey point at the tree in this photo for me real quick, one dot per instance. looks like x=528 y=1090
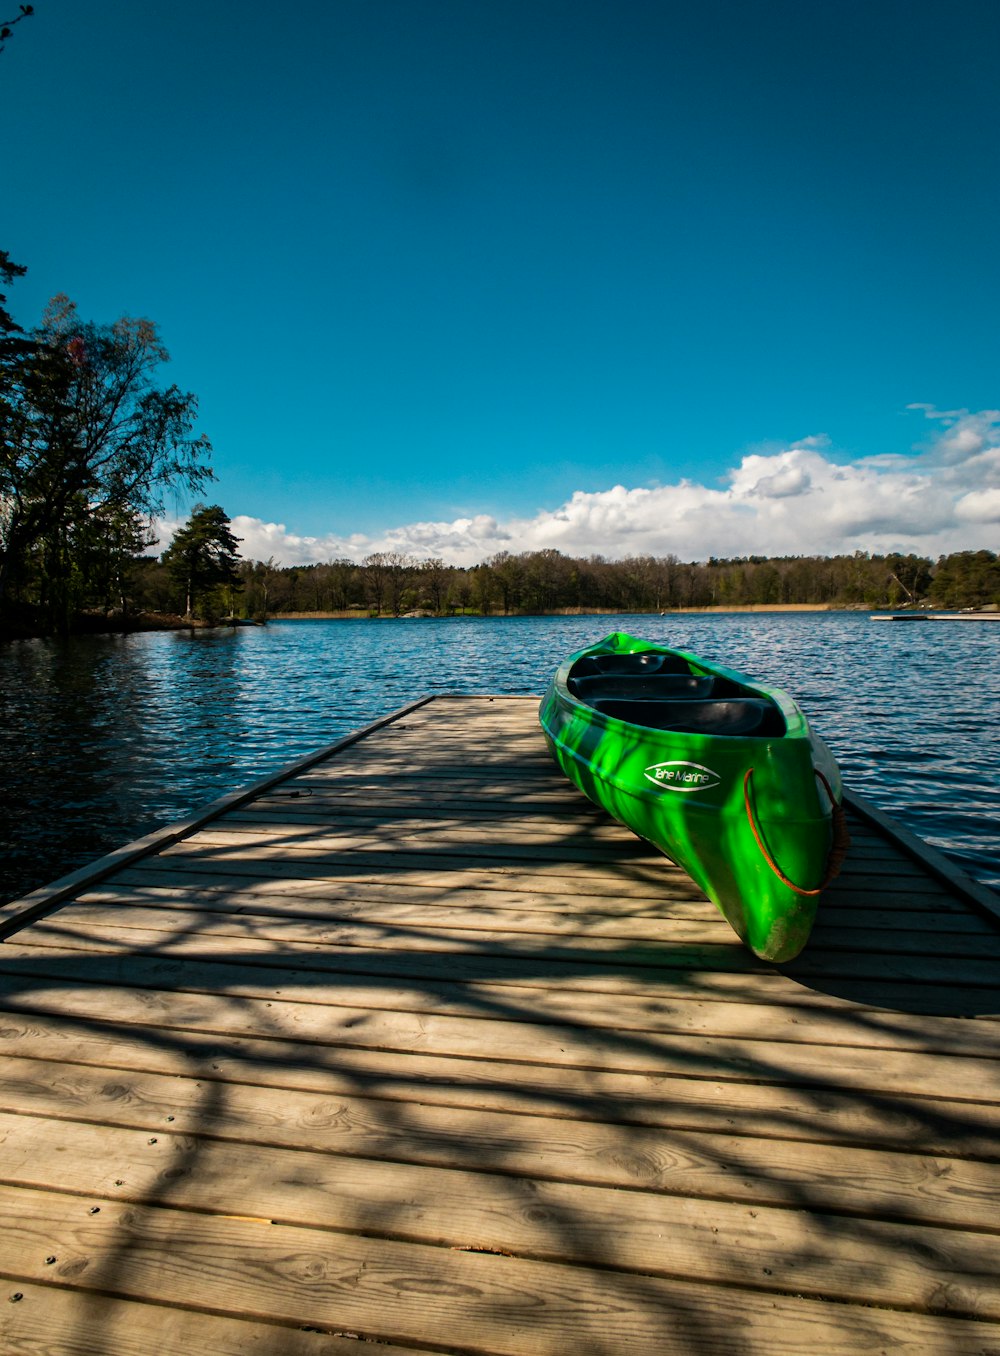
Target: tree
x=256 y=580
x=376 y=570
x=343 y=578
x=911 y=575
x=203 y=557
x=86 y=436
x=484 y=587
x=6 y=25
x=508 y=573
x=967 y=579
x=107 y=559
x=398 y=570
x=8 y=272
x=548 y=580
x=435 y=577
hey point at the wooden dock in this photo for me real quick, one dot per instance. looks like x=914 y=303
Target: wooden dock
x=414 y=1047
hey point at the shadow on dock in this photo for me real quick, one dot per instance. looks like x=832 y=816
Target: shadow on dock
x=476 y=1073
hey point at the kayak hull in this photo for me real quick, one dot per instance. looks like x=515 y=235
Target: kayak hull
x=722 y=774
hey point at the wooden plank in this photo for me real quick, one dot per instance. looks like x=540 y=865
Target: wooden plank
x=459 y=1300
x=776 y=1012
x=928 y=859
x=458 y=839
x=379 y=906
x=677 y=892
x=638 y=874
x=520 y=782
x=665 y=882
x=599 y=964
x=47 y=1320
x=827 y=1114
x=300 y=812
x=468 y=909
x=466 y=841
x=409 y=927
x=551 y=807
x=334 y=940
x=759 y=986
x=780 y=1020
x=403 y=887
x=336 y=825
x=878 y=1183
x=623 y=857
x=508 y=1032
x=827 y=1257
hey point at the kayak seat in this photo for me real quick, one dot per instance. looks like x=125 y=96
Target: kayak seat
x=644 y=662
x=737 y=716
x=673 y=685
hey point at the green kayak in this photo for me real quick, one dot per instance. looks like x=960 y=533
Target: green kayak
x=720 y=773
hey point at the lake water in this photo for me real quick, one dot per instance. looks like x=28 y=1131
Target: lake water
x=108 y=737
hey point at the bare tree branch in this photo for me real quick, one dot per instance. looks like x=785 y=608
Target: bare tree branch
x=7 y=25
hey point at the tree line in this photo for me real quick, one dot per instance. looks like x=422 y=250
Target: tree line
x=201 y=575
x=392 y=584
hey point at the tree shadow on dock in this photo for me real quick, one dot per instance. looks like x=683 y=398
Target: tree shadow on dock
x=302 y=1103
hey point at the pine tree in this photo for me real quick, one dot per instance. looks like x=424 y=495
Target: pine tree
x=203 y=557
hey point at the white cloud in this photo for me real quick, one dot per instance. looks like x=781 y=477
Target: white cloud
x=463 y=541
x=784 y=483
x=795 y=501
x=980 y=506
x=967 y=435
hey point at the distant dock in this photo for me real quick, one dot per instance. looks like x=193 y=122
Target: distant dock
x=409 y=1045
x=935 y=616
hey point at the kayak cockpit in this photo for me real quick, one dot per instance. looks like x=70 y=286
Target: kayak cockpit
x=662 y=692
x=657 y=685
x=641 y=662
x=731 y=716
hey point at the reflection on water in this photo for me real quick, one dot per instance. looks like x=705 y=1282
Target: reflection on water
x=108 y=737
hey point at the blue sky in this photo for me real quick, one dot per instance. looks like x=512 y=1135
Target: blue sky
x=456 y=276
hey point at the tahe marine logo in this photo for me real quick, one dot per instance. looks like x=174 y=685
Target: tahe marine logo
x=679 y=776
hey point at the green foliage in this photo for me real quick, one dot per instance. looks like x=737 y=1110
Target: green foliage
x=8 y=272
x=203 y=561
x=967 y=579
x=89 y=447
x=540 y=581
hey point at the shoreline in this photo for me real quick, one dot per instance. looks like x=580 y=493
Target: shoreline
x=356 y=615
x=120 y=626
x=159 y=621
